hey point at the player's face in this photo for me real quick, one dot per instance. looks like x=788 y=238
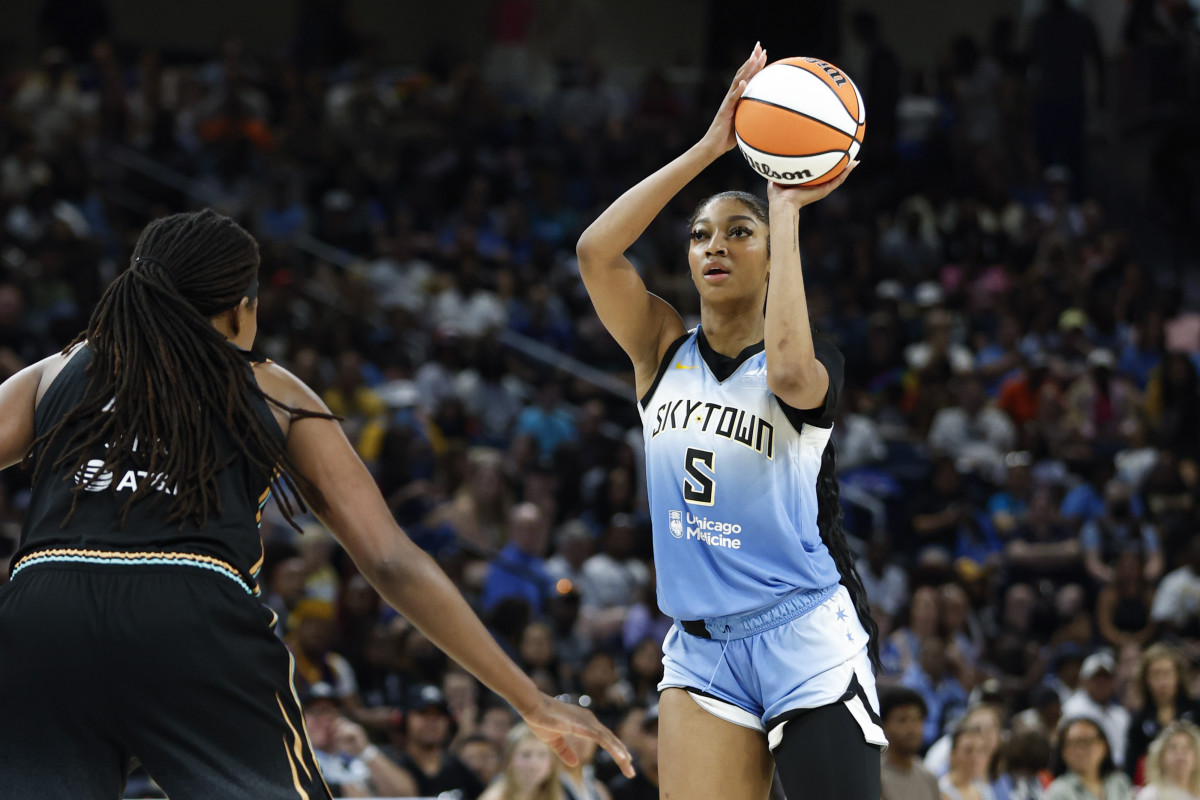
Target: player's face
x=728 y=250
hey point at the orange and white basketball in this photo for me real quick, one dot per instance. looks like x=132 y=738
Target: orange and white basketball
x=800 y=121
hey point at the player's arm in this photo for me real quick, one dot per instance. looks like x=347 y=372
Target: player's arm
x=408 y=579
x=642 y=323
x=794 y=374
x=18 y=399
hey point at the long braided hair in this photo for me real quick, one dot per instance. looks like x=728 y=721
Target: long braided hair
x=165 y=387
x=829 y=514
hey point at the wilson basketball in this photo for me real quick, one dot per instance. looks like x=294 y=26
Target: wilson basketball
x=800 y=121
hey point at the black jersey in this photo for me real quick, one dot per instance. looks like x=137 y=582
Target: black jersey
x=229 y=543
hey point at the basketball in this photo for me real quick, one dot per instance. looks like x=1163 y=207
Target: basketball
x=800 y=121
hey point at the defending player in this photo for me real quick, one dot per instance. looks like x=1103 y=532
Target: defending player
x=773 y=644
x=130 y=628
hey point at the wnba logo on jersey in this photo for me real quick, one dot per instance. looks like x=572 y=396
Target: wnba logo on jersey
x=675 y=518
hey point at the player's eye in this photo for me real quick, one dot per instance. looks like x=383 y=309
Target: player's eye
x=698 y=234
x=740 y=230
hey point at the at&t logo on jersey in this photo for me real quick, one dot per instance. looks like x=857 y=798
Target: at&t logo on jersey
x=711 y=532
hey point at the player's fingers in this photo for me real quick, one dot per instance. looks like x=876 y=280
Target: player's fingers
x=747 y=66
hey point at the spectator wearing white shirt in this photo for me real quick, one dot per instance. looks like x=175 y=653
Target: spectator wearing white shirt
x=1096 y=700
x=1177 y=601
x=973 y=428
x=612 y=580
x=885 y=581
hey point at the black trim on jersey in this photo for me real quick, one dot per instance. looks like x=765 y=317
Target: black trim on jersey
x=835 y=365
x=722 y=366
x=855 y=689
x=663 y=365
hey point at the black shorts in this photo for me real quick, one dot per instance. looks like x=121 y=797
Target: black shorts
x=171 y=665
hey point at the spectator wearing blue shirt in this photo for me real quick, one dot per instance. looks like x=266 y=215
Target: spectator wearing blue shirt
x=1118 y=529
x=518 y=570
x=547 y=422
x=944 y=696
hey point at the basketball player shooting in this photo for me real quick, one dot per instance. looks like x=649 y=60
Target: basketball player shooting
x=772 y=649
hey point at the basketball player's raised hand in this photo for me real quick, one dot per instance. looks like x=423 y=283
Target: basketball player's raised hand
x=719 y=137
x=799 y=196
x=552 y=718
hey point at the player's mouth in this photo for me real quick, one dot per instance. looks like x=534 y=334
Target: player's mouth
x=714 y=273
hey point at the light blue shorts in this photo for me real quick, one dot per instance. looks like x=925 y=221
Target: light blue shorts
x=762 y=668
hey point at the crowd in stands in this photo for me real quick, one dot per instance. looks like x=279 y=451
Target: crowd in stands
x=1018 y=441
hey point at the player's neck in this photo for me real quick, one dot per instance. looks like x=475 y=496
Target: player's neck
x=731 y=333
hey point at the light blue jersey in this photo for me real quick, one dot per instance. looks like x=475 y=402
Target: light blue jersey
x=732 y=479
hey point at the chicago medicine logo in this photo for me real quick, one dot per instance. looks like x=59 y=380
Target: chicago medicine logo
x=711 y=532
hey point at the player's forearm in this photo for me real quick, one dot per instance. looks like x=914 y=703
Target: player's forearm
x=415 y=585
x=627 y=218
x=788 y=335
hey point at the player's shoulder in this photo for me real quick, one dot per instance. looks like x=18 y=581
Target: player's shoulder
x=51 y=366
x=278 y=383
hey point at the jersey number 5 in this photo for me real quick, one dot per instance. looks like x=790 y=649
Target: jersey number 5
x=700 y=484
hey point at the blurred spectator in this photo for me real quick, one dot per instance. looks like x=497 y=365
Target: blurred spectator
x=1117 y=531
x=1063 y=44
x=929 y=676
x=350 y=764
x=986 y=721
x=886 y=582
x=580 y=782
x=1096 y=700
x=1162 y=684
x=904 y=777
x=1173 y=767
x=531 y=770
x=960 y=783
x=922 y=623
x=284 y=582
x=310 y=638
x=972 y=429
x=1177 y=601
x=361 y=407
x=1083 y=765
x=519 y=571
x=480 y=755
x=574 y=544
x=547 y=422
x=1025 y=759
x=644 y=746
x=1123 y=606
x=426 y=757
x=612 y=580
x=480 y=510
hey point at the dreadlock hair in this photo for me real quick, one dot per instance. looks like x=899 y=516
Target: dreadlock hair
x=165 y=387
x=830 y=514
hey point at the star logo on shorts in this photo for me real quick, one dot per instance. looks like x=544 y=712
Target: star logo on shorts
x=841 y=614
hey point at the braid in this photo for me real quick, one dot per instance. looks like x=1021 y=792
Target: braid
x=165 y=387
x=829 y=520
